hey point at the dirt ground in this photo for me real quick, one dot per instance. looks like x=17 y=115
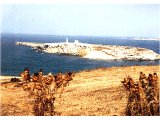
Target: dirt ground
x=97 y=92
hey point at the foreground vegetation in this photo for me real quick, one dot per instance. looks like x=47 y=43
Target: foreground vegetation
x=96 y=92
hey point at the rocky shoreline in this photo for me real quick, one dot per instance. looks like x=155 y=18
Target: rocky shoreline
x=93 y=51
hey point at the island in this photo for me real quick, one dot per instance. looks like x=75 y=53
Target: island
x=94 y=51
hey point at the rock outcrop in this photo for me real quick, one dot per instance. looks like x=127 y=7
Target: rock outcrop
x=93 y=51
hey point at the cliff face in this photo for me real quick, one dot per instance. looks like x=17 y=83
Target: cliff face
x=92 y=51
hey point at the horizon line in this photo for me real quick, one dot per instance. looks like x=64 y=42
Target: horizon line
x=79 y=35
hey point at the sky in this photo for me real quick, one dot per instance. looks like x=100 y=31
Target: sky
x=123 y=20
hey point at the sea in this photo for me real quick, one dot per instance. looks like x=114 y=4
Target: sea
x=15 y=58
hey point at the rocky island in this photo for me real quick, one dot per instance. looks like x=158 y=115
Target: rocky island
x=93 y=51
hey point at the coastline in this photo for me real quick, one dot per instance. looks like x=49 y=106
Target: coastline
x=94 y=51
x=7 y=77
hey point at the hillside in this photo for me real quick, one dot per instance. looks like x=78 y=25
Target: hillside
x=96 y=92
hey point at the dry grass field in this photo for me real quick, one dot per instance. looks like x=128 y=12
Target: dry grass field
x=96 y=92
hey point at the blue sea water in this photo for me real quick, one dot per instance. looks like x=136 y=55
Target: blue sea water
x=15 y=58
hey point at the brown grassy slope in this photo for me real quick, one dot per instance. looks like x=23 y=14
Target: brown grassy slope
x=95 y=92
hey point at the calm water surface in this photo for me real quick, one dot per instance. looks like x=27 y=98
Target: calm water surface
x=15 y=58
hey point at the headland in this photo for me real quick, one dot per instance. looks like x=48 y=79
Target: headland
x=94 y=51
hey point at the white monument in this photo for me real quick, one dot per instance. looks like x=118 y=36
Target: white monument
x=66 y=40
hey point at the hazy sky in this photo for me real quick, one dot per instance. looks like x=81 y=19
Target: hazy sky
x=141 y=20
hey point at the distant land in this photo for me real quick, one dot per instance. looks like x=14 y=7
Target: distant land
x=114 y=37
x=142 y=38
